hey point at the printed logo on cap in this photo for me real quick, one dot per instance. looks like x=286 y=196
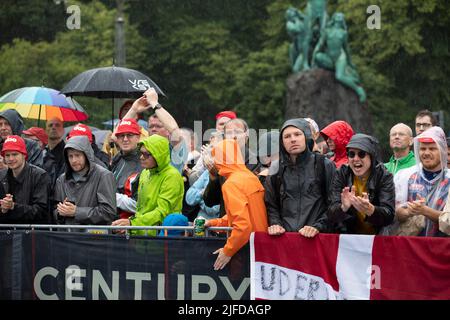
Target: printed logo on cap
x=125 y=123
x=11 y=139
x=79 y=128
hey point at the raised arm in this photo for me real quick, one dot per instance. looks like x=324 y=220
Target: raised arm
x=150 y=101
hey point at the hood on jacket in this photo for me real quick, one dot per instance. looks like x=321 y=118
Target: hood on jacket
x=15 y=121
x=341 y=133
x=437 y=135
x=228 y=158
x=80 y=143
x=301 y=124
x=366 y=143
x=159 y=148
x=268 y=144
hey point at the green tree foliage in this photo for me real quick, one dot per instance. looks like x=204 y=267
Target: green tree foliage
x=32 y=20
x=196 y=50
x=54 y=63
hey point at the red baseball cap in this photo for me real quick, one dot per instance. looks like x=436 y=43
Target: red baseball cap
x=14 y=143
x=80 y=130
x=128 y=126
x=228 y=114
x=426 y=140
x=37 y=132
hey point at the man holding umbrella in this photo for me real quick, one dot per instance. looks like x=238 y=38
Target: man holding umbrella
x=11 y=123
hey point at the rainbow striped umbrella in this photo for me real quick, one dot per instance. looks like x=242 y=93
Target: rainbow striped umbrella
x=42 y=103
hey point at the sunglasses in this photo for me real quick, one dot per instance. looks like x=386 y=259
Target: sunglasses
x=145 y=155
x=361 y=154
x=125 y=135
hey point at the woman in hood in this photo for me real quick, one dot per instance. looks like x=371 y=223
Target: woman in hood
x=243 y=197
x=337 y=135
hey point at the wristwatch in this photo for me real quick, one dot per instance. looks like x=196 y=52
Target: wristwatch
x=157 y=106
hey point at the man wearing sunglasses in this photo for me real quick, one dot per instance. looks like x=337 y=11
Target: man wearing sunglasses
x=161 y=188
x=363 y=194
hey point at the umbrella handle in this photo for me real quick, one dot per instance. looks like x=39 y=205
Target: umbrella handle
x=39 y=116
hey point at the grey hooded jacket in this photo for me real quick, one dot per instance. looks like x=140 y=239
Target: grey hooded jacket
x=94 y=194
x=296 y=195
x=35 y=155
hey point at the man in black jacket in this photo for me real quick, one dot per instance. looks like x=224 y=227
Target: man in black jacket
x=24 y=198
x=296 y=196
x=54 y=162
x=363 y=194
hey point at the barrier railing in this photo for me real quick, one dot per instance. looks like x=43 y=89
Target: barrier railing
x=101 y=229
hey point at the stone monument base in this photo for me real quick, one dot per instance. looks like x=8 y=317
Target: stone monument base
x=318 y=95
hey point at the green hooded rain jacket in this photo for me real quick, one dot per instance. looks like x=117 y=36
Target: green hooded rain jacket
x=160 y=190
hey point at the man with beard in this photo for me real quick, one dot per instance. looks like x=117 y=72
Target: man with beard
x=424 y=188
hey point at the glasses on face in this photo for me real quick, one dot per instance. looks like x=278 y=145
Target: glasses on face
x=424 y=125
x=145 y=154
x=125 y=135
x=361 y=154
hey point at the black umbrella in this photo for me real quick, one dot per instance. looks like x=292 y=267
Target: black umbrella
x=110 y=82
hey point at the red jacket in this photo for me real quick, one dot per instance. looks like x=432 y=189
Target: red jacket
x=341 y=133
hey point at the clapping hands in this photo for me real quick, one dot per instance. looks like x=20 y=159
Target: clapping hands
x=360 y=203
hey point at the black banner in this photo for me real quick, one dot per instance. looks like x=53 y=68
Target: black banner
x=79 y=266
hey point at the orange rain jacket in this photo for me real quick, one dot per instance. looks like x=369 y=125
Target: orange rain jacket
x=243 y=196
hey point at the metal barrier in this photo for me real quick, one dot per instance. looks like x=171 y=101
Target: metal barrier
x=99 y=229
